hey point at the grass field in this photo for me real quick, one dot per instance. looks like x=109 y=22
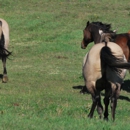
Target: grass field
x=45 y=37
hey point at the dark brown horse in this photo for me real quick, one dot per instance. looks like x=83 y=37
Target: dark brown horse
x=91 y=33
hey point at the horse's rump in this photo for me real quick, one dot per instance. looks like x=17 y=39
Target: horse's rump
x=99 y=54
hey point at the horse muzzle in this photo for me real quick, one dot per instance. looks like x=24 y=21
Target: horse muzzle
x=82 y=46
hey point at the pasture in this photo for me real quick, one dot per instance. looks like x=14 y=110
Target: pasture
x=45 y=38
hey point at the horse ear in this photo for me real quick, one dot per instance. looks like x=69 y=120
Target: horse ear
x=87 y=23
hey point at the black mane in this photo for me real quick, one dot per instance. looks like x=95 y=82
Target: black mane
x=105 y=27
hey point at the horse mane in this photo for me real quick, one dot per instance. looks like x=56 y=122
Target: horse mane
x=107 y=37
x=105 y=27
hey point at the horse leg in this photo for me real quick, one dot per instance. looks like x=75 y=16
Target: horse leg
x=99 y=107
x=113 y=106
x=115 y=95
x=5 y=77
x=106 y=100
x=94 y=104
x=91 y=88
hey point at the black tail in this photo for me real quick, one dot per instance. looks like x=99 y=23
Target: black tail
x=108 y=59
x=4 y=53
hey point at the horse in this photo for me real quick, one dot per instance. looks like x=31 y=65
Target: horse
x=91 y=33
x=4 y=42
x=104 y=69
x=104 y=37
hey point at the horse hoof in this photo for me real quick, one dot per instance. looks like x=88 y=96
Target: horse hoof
x=5 y=79
x=105 y=119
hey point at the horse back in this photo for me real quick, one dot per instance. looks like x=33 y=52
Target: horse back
x=123 y=40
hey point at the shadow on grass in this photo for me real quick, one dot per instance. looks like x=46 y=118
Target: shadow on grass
x=125 y=87
x=1 y=76
x=83 y=89
x=124 y=98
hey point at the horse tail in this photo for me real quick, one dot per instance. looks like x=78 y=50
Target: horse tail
x=4 y=53
x=109 y=59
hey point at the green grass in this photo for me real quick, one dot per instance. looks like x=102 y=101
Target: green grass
x=45 y=37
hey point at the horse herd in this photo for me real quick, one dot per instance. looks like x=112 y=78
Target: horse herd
x=104 y=66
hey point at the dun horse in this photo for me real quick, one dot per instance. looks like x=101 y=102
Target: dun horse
x=4 y=42
x=102 y=70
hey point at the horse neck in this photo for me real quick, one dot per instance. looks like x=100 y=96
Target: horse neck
x=95 y=33
x=96 y=37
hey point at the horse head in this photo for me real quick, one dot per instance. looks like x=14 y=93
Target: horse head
x=91 y=33
x=87 y=37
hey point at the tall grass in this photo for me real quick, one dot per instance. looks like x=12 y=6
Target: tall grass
x=45 y=37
